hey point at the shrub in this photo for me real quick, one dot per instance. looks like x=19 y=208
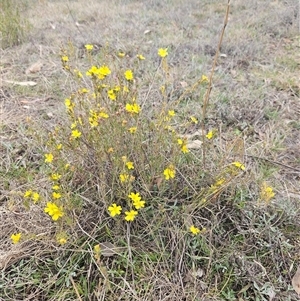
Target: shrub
x=125 y=178
x=126 y=157
x=119 y=161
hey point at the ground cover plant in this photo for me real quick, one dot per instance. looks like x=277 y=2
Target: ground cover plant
x=122 y=180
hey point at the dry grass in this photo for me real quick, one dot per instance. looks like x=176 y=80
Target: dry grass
x=250 y=251
x=13 y=27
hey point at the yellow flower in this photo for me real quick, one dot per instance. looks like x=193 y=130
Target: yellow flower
x=48 y=158
x=114 y=210
x=65 y=58
x=110 y=150
x=130 y=215
x=28 y=193
x=140 y=57
x=179 y=141
x=56 y=187
x=121 y=54
x=128 y=75
x=129 y=165
x=103 y=115
x=124 y=177
x=171 y=113
x=104 y=70
x=162 y=52
x=97 y=251
x=93 y=122
x=100 y=72
x=220 y=182
x=194 y=230
x=137 y=201
x=54 y=211
x=76 y=134
x=139 y=204
x=97 y=248
x=89 y=47
x=111 y=94
x=78 y=73
x=69 y=104
x=210 y=135
x=266 y=193
x=59 y=146
x=184 y=149
x=35 y=197
x=83 y=91
x=133 y=108
x=92 y=71
x=134 y=196
x=169 y=172
x=55 y=176
x=216 y=186
x=62 y=240
x=73 y=125
x=194 y=119
x=204 y=78
x=15 y=238
x=132 y=130
x=239 y=165
x=56 y=195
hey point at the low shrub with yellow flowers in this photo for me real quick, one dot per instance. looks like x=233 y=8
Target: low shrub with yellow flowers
x=114 y=145
x=125 y=175
x=118 y=153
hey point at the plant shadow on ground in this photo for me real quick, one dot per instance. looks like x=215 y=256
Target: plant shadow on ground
x=249 y=250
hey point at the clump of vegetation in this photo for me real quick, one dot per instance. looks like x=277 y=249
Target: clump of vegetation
x=121 y=157
x=126 y=180
x=12 y=26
